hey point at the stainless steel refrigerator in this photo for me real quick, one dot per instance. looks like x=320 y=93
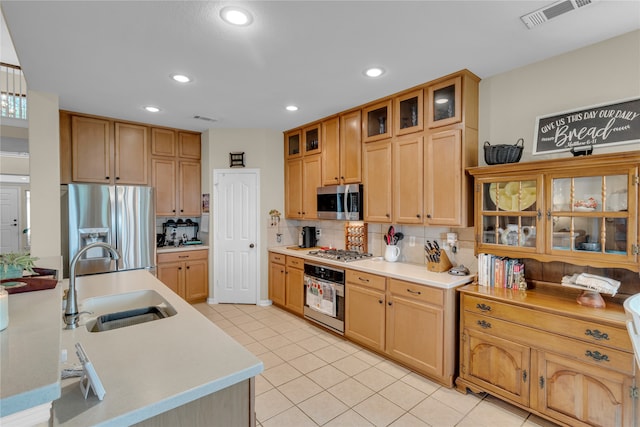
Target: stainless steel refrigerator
x=121 y=215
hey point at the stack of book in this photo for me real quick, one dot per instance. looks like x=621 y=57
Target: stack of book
x=500 y=272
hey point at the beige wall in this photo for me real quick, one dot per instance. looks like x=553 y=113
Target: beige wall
x=600 y=73
x=263 y=151
x=44 y=146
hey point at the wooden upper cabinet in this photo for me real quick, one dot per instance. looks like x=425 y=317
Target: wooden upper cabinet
x=312 y=139
x=376 y=121
x=189 y=188
x=163 y=179
x=331 y=151
x=293 y=144
x=163 y=142
x=408 y=112
x=311 y=180
x=448 y=202
x=408 y=179
x=91 y=150
x=342 y=149
x=351 y=147
x=377 y=179
x=131 y=154
x=293 y=188
x=189 y=145
x=444 y=103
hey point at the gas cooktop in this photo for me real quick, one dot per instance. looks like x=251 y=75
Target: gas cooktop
x=340 y=255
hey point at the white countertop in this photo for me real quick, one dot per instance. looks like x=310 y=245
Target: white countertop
x=416 y=273
x=30 y=351
x=149 y=368
x=165 y=249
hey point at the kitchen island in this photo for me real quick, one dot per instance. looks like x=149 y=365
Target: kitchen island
x=182 y=369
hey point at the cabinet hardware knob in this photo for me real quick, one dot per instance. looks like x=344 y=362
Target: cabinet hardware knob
x=303 y=213
x=335 y=177
x=380 y=301
x=548 y=213
x=596 y=334
x=173 y=210
x=181 y=210
x=106 y=177
x=539 y=214
x=389 y=303
x=414 y=292
x=388 y=216
x=541 y=381
x=179 y=268
x=428 y=215
x=484 y=324
x=117 y=178
x=483 y=307
x=524 y=376
x=342 y=177
x=418 y=216
x=252 y=245
x=597 y=356
x=188 y=267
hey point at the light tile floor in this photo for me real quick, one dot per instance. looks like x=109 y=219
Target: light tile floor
x=314 y=378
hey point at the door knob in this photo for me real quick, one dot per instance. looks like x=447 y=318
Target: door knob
x=252 y=245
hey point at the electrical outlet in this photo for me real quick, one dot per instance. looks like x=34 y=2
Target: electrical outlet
x=318 y=233
x=412 y=241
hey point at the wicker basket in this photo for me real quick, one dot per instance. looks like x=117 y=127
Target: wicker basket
x=503 y=153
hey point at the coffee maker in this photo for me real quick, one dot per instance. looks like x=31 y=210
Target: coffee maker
x=308 y=237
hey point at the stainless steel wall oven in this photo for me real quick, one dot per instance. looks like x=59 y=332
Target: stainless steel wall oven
x=324 y=296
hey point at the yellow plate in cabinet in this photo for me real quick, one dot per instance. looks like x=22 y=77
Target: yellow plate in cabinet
x=507 y=195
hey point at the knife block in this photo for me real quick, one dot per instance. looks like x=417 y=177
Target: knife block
x=443 y=265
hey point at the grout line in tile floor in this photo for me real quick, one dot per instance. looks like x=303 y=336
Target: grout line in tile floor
x=314 y=378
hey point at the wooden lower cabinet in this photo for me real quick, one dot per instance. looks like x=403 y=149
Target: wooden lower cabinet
x=543 y=352
x=365 y=309
x=286 y=282
x=410 y=323
x=186 y=273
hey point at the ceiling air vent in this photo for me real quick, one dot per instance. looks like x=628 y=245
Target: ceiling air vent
x=206 y=119
x=553 y=10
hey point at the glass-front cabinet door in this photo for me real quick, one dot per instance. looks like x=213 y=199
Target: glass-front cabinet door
x=589 y=215
x=407 y=109
x=293 y=144
x=510 y=214
x=311 y=140
x=444 y=103
x=376 y=121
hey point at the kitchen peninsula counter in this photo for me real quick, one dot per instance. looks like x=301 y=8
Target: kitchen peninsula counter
x=416 y=273
x=154 y=367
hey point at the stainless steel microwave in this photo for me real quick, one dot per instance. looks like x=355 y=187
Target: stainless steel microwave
x=342 y=202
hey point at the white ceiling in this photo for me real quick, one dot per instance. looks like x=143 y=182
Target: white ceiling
x=111 y=58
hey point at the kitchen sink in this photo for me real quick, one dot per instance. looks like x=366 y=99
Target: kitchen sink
x=122 y=319
x=126 y=309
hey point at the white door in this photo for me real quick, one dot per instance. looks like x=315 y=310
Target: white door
x=9 y=219
x=235 y=226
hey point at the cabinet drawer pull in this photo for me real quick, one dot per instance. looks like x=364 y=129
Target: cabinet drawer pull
x=483 y=307
x=414 y=292
x=484 y=324
x=183 y=256
x=362 y=279
x=596 y=334
x=597 y=356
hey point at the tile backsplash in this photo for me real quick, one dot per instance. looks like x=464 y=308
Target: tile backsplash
x=411 y=246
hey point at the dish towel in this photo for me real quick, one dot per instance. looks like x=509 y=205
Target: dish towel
x=321 y=296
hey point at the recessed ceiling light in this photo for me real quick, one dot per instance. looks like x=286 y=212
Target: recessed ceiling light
x=236 y=16
x=181 y=78
x=151 y=109
x=442 y=100
x=291 y=108
x=374 y=72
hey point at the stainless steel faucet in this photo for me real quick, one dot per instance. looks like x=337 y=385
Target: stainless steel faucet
x=71 y=315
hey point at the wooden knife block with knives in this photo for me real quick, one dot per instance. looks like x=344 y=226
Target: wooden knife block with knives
x=437 y=259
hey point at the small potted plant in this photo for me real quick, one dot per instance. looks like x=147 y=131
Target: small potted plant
x=14 y=263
